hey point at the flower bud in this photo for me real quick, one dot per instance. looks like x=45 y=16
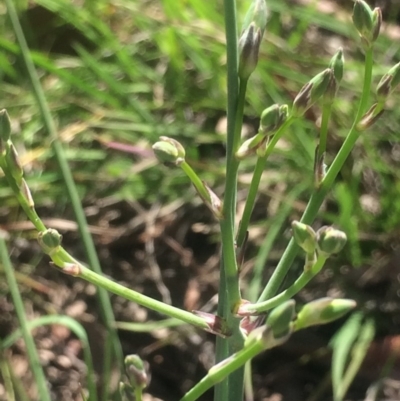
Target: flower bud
x=330 y=240
x=377 y=23
x=169 y=151
x=5 y=125
x=304 y=236
x=251 y=36
x=337 y=64
x=272 y=118
x=49 y=240
x=311 y=92
x=367 y=22
x=136 y=371
x=322 y=311
x=280 y=319
x=388 y=83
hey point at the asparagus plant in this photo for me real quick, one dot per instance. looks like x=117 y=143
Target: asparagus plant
x=239 y=334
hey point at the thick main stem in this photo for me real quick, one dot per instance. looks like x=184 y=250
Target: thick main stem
x=229 y=291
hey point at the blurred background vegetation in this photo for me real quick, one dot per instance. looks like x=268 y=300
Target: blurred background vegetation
x=118 y=74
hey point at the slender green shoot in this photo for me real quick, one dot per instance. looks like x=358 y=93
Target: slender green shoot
x=5 y=372
x=106 y=308
x=287 y=294
x=40 y=379
x=255 y=181
x=319 y=195
x=76 y=328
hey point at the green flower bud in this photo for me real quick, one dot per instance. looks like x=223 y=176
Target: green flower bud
x=49 y=240
x=5 y=125
x=280 y=319
x=367 y=22
x=304 y=236
x=362 y=17
x=311 y=92
x=388 y=83
x=272 y=118
x=169 y=151
x=322 y=311
x=330 y=240
x=337 y=64
x=136 y=371
x=377 y=23
x=250 y=39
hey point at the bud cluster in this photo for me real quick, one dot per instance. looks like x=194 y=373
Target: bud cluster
x=367 y=22
x=271 y=120
x=325 y=242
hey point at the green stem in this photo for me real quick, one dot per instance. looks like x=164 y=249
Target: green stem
x=106 y=308
x=7 y=378
x=274 y=228
x=221 y=345
x=131 y=295
x=255 y=182
x=300 y=283
x=230 y=274
x=319 y=195
x=28 y=209
x=227 y=224
x=323 y=132
x=223 y=369
x=196 y=181
x=33 y=356
x=138 y=394
x=229 y=292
